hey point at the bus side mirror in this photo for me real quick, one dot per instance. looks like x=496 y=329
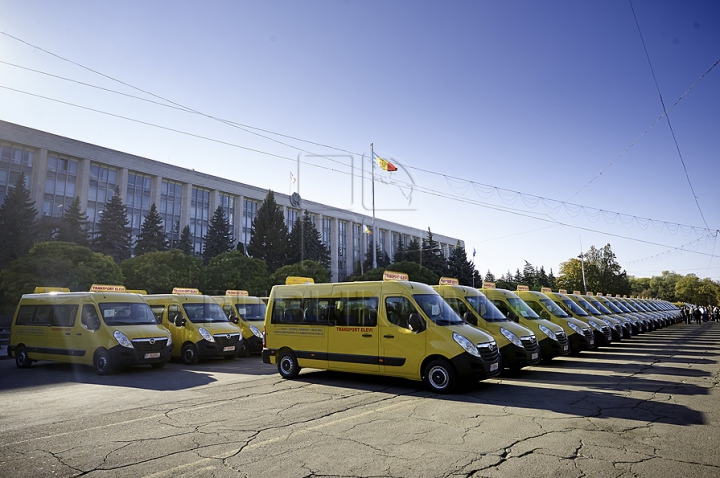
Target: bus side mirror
x=470 y=318
x=234 y=319
x=179 y=321
x=93 y=324
x=416 y=323
x=512 y=316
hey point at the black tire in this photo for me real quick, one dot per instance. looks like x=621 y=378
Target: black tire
x=288 y=365
x=158 y=364
x=102 y=362
x=229 y=357
x=189 y=354
x=439 y=376
x=21 y=358
x=243 y=348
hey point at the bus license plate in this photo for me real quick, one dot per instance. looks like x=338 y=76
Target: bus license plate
x=494 y=366
x=565 y=348
x=592 y=342
x=534 y=356
x=152 y=355
x=229 y=348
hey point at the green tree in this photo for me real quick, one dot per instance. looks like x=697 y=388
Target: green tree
x=185 y=243
x=152 y=236
x=306 y=243
x=414 y=252
x=433 y=257
x=489 y=277
x=381 y=257
x=17 y=222
x=114 y=236
x=415 y=272
x=686 y=289
x=571 y=278
x=459 y=267
x=73 y=225
x=158 y=272
x=400 y=253
x=235 y=270
x=663 y=286
x=313 y=269
x=269 y=235
x=219 y=238
x=57 y=264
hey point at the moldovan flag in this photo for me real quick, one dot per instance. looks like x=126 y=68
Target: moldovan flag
x=385 y=164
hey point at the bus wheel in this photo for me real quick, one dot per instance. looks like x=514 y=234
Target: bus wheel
x=440 y=376
x=288 y=366
x=102 y=362
x=21 y=358
x=190 y=354
x=243 y=348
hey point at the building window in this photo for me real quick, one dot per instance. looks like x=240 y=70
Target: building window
x=14 y=160
x=394 y=244
x=103 y=181
x=342 y=249
x=249 y=214
x=170 y=204
x=357 y=237
x=326 y=232
x=137 y=201
x=291 y=216
x=60 y=181
x=199 y=217
x=228 y=204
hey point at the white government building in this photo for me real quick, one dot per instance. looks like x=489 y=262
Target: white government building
x=61 y=168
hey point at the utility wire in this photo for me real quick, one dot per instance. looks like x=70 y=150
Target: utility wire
x=667 y=116
x=187 y=109
x=247 y=128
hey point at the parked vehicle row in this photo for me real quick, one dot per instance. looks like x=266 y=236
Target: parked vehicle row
x=443 y=335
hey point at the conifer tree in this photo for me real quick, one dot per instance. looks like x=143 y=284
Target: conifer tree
x=432 y=256
x=185 y=242
x=459 y=267
x=269 y=234
x=400 y=254
x=218 y=238
x=72 y=226
x=306 y=243
x=489 y=277
x=114 y=236
x=152 y=235
x=18 y=220
x=414 y=252
x=382 y=258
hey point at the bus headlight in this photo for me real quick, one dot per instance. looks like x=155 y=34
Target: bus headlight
x=511 y=337
x=547 y=332
x=122 y=339
x=466 y=344
x=577 y=329
x=256 y=332
x=205 y=334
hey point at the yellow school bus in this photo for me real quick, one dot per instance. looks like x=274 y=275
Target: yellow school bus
x=199 y=327
x=392 y=327
x=249 y=312
x=106 y=328
x=518 y=345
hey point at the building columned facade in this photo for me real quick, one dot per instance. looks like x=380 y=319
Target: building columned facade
x=60 y=168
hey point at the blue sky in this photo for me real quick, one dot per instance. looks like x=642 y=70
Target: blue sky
x=533 y=97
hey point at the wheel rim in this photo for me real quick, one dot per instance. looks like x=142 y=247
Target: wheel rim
x=189 y=354
x=102 y=363
x=242 y=348
x=439 y=377
x=22 y=357
x=286 y=364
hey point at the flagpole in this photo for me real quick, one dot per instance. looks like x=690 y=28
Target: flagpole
x=373 y=232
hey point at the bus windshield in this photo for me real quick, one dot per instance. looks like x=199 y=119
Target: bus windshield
x=203 y=312
x=485 y=308
x=588 y=307
x=251 y=312
x=437 y=309
x=601 y=307
x=553 y=308
x=126 y=313
x=570 y=304
x=522 y=308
